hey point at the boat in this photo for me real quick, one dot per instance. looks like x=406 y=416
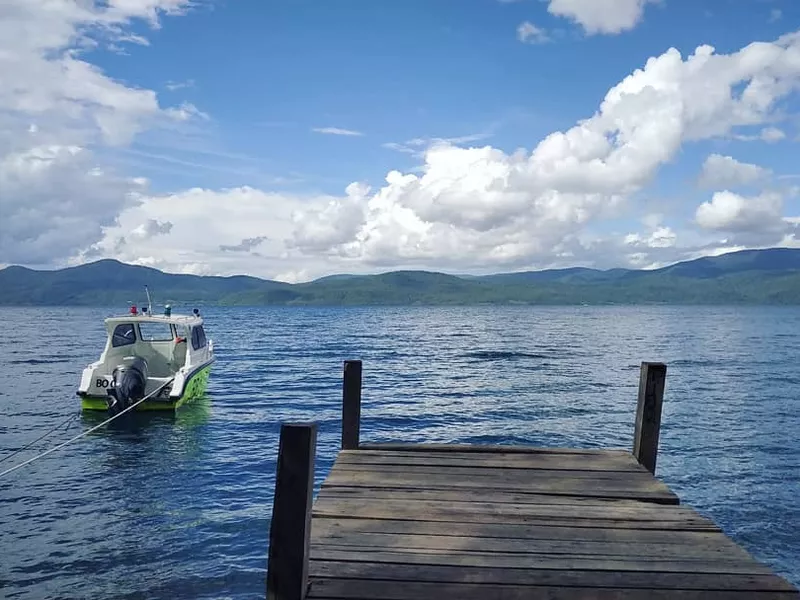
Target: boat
x=163 y=359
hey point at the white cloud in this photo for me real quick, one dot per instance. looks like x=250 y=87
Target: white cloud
x=601 y=16
x=173 y=86
x=727 y=211
x=418 y=146
x=660 y=237
x=772 y=134
x=528 y=33
x=775 y=15
x=767 y=134
x=336 y=131
x=725 y=171
x=55 y=108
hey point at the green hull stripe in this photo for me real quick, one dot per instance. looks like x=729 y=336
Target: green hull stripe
x=194 y=388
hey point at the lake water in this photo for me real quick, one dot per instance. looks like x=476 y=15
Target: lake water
x=179 y=506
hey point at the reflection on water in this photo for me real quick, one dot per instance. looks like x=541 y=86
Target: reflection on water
x=163 y=505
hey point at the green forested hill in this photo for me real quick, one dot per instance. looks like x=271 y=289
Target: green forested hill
x=769 y=276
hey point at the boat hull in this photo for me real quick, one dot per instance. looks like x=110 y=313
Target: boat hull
x=194 y=387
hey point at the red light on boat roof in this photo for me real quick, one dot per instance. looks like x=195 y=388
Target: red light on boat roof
x=133 y=309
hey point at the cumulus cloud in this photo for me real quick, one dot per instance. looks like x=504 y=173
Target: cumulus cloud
x=601 y=16
x=55 y=197
x=725 y=171
x=751 y=220
x=528 y=33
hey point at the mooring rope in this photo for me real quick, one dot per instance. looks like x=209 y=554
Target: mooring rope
x=41 y=437
x=87 y=432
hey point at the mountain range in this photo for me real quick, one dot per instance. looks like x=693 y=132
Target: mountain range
x=768 y=276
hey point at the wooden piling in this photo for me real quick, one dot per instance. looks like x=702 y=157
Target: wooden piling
x=290 y=528
x=652 y=378
x=351 y=405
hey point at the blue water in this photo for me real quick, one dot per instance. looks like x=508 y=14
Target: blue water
x=179 y=507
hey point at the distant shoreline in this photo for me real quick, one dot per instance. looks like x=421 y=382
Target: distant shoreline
x=769 y=277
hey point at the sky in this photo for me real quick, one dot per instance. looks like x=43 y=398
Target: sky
x=292 y=139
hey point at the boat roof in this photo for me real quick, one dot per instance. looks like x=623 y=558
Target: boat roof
x=174 y=319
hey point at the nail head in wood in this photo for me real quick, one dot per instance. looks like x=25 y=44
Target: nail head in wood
x=290 y=527
x=351 y=405
x=652 y=379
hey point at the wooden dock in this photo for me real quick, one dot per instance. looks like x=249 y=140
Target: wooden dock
x=427 y=521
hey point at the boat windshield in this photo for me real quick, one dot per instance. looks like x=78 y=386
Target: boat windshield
x=155 y=332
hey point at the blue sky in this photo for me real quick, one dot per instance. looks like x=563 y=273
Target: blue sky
x=269 y=91
x=267 y=73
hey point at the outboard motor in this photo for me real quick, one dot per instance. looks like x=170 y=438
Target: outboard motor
x=128 y=385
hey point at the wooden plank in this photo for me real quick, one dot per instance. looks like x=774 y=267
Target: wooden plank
x=351 y=404
x=389 y=507
x=648 y=413
x=518 y=474
x=356 y=589
x=375 y=512
x=290 y=526
x=710 y=550
x=614 y=462
x=329 y=526
x=646 y=489
x=530 y=561
x=521 y=449
x=465 y=495
x=387 y=573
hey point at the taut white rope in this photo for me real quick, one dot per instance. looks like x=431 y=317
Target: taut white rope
x=87 y=432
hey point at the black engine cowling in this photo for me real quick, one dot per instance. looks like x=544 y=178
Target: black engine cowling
x=128 y=386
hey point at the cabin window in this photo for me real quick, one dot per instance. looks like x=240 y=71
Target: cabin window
x=155 y=332
x=123 y=335
x=198 y=337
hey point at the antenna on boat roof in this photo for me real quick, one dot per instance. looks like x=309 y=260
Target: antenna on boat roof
x=149 y=304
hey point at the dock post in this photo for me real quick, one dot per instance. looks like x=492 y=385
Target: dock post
x=648 y=414
x=351 y=405
x=290 y=528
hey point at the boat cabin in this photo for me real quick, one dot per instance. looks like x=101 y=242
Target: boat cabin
x=166 y=343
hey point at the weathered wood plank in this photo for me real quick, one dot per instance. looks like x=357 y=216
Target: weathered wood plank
x=371 y=590
x=290 y=526
x=388 y=573
x=710 y=550
x=466 y=495
x=518 y=474
x=375 y=512
x=385 y=473
x=646 y=489
x=521 y=449
x=530 y=561
x=351 y=404
x=578 y=462
x=422 y=508
x=522 y=531
x=648 y=413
